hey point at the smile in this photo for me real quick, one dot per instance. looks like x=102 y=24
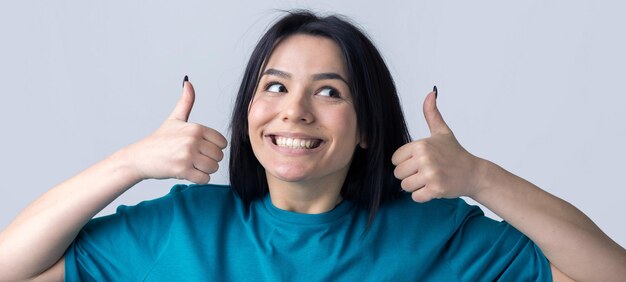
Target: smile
x=296 y=143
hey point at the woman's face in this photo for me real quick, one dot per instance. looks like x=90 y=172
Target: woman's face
x=302 y=122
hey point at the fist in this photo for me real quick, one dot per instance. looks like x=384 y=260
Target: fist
x=437 y=166
x=179 y=149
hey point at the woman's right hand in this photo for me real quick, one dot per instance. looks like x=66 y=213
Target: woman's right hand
x=178 y=149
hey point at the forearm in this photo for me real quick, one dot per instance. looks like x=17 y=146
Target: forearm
x=568 y=238
x=40 y=234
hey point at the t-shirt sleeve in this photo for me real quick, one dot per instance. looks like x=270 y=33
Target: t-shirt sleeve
x=121 y=246
x=482 y=249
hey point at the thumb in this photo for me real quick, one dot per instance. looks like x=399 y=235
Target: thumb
x=435 y=121
x=185 y=102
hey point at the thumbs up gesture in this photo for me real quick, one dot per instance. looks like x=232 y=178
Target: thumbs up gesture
x=437 y=166
x=178 y=149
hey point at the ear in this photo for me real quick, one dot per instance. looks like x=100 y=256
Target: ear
x=362 y=142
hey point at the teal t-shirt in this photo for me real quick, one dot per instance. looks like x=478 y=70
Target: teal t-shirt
x=206 y=233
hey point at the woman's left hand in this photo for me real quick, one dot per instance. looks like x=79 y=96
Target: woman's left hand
x=437 y=166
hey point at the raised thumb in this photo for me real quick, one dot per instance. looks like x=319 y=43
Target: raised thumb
x=185 y=103
x=435 y=121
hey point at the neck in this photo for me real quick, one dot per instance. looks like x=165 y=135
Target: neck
x=311 y=197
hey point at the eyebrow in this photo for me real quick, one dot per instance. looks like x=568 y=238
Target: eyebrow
x=317 y=76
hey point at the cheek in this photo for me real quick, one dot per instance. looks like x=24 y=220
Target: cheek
x=258 y=113
x=344 y=123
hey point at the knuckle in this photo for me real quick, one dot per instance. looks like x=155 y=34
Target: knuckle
x=189 y=141
x=437 y=175
x=425 y=159
x=213 y=167
x=429 y=174
x=179 y=171
x=421 y=145
x=195 y=129
x=420 y=149
x=185 y=154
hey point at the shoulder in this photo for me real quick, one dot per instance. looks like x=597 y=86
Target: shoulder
x=436 y=217
x=138 y=235
x=202 y=196
x=185 y=198
x=438 y=209
x=193 y=191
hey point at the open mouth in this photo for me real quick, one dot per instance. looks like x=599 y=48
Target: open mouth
x=296 y=143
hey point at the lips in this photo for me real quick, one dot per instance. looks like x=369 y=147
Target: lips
x=296 y=142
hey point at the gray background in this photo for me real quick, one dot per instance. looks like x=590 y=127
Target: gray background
x=535 y=86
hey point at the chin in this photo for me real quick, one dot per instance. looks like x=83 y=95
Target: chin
x=288 y=174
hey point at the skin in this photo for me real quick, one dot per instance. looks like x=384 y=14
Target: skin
x=439 y=167
x=32 y=246
x=294 y=99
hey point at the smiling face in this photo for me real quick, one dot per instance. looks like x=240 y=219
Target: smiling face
x=302 y=123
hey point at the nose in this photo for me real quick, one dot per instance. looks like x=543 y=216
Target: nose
x=297 y=108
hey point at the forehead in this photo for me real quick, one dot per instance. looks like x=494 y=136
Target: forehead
x=307 y=54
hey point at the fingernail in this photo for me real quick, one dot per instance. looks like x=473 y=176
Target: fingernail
x=435 y=89
x=186 y=79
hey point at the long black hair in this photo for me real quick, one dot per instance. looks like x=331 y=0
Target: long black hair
x=370 y=180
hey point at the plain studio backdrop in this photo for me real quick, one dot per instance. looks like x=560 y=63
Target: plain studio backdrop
x=534 y=86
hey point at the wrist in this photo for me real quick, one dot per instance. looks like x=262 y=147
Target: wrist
x=486 y=173
x=121 y=165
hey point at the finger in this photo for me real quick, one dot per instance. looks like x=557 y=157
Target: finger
x=435 y=121
x=406 y=168
x=196 y=176
x=413 y=183
x=185 y=103
x=205 y=164
x=206 y=133
x=402 y=154
x=422 y=195
x=215 y=137
x=210 y=150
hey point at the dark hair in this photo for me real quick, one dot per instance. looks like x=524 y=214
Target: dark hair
x=370 y=180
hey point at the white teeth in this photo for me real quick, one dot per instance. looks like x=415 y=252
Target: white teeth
x=294 y=143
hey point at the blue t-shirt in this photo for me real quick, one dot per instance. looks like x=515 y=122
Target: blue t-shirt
x=205 y=232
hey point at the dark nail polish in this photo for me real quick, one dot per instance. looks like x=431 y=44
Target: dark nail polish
x=186 y=79
x=435 y=89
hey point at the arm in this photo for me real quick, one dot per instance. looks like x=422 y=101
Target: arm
x=568 y=238
x=438 y=167
x=38 y=237
x=33 y=245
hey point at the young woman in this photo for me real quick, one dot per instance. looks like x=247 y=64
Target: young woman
x=321 y=162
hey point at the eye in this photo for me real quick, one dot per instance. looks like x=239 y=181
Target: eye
x=329 y=92
x=275 y=87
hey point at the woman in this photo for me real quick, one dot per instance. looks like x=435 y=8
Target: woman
x=320 y=160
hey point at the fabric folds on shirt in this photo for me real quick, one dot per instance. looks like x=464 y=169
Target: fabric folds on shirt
x=205 y=232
